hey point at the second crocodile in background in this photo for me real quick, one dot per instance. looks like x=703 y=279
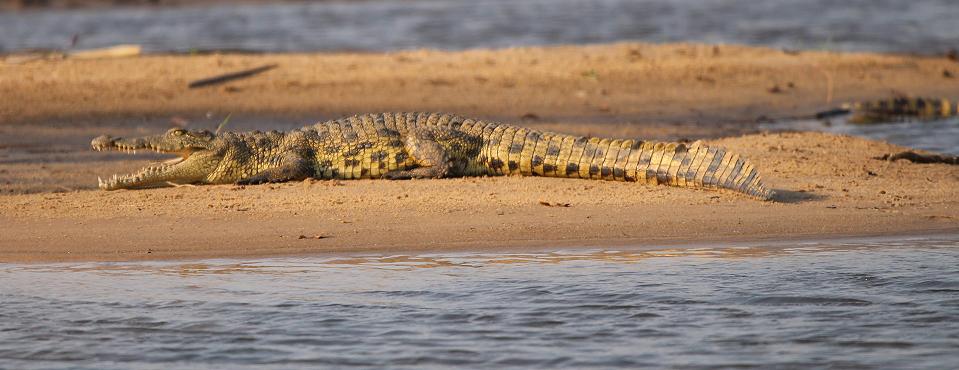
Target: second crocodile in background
x=899 y=109
x=425 y=145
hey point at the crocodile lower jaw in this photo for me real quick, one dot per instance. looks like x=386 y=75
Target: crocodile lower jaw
x=120 y=181
x=135 y=179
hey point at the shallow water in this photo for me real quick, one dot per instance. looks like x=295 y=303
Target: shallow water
x=918 y=26
x=865 y=304
x=940 y=136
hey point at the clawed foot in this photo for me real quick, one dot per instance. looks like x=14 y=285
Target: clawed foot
x=398 y=175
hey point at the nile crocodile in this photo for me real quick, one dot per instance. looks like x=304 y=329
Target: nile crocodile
x=425 y=145
x=895 y=110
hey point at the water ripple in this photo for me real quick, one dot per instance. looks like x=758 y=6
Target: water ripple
x=866 y=304
x=922 y=26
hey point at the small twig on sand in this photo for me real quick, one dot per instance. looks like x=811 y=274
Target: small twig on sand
x=171 y=183
x=216 y=80
x=64 y=189
x=312 y=237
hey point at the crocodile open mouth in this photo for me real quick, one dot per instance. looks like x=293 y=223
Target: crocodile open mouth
x=149 y=176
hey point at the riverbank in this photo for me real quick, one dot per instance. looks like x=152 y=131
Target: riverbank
x=627 y=82
x=829 y=185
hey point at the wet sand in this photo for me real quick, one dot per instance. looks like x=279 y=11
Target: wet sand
x=828 y=184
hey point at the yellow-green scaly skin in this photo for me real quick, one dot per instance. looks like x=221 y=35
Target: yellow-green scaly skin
x=433 y=145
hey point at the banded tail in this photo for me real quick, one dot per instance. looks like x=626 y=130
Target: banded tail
x=513 y=150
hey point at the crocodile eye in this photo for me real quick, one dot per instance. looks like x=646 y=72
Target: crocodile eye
x=179 y=132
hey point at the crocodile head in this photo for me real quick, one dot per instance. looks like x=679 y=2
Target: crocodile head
x=197 y=157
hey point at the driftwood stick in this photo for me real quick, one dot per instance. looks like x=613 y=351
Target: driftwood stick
x=118 y=51
x=921 y=158
x=215 y=80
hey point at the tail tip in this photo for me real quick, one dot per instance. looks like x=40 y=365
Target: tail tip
x=768 y=195
x=761 y=193
x=765 y=194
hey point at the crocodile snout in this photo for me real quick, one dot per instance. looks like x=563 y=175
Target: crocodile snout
x=102 y=142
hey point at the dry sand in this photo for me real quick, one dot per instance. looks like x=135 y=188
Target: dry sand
x=828 y=184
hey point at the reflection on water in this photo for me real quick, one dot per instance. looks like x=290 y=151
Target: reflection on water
x=919 y=26
x=864 y=304
x=938 y=136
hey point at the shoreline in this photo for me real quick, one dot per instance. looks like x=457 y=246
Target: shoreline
x=828 y=185
x=779 y=244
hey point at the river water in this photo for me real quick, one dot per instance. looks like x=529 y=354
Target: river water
x=940 y=136
x=914 y=26
x=884 y=303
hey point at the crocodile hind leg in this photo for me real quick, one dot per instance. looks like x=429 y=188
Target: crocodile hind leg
x=432 y=159
x=290 y=167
